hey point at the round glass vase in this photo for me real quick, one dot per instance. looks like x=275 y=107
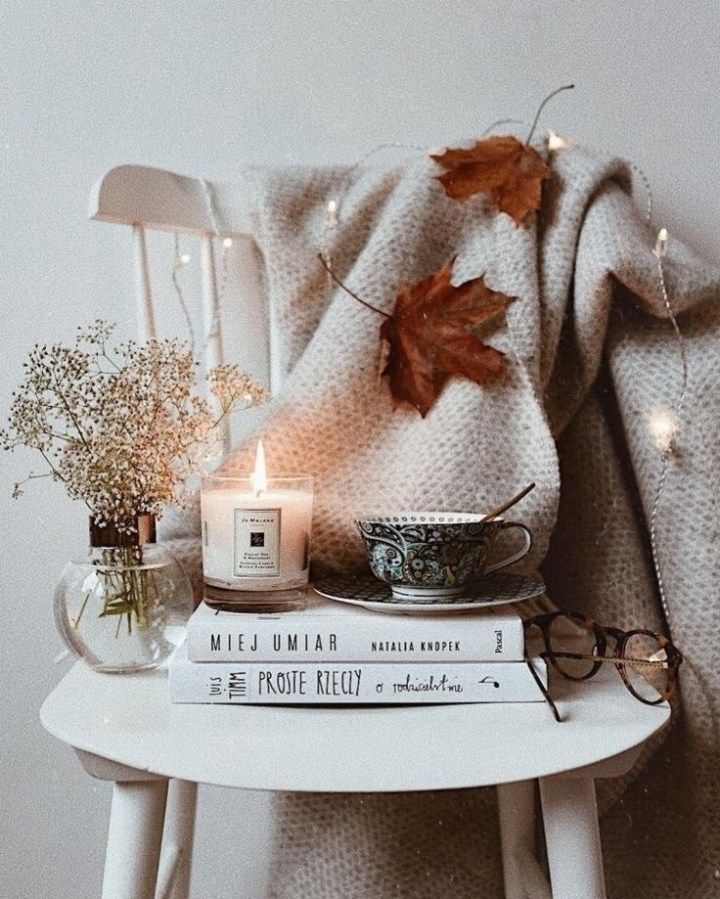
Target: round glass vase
x=123 y=606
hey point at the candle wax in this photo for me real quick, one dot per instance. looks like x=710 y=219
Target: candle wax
x=255 y=541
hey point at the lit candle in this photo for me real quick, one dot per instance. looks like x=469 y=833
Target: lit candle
x=256 y=530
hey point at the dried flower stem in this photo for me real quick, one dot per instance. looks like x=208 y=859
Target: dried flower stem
x=123 y=430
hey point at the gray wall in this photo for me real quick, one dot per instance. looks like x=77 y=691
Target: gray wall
x=199 y=87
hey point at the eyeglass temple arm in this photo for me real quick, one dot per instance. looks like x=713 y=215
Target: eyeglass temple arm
x=652 y=663
x=543 y=689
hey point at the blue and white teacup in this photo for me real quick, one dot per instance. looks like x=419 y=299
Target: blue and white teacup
x=435 y=553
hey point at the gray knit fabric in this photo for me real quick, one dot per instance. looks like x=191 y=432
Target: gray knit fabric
x=590 y=355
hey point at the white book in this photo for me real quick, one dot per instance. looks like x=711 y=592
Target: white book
x=327 y=631
x=373 y=683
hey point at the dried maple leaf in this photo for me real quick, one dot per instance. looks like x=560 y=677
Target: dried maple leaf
x=431 y=337
x=510 y=171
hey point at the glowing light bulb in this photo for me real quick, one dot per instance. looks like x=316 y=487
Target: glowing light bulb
x=184 y=259
x=663 y=428
x=227 y=242
x=555 y=142
x=661 y=243
x=258 y=478
x=331 y=216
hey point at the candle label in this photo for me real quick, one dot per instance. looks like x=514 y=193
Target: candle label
x=257 y=543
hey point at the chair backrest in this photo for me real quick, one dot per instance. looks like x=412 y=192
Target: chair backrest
x=146 y=199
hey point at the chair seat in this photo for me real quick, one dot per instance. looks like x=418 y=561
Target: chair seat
x=130 y=720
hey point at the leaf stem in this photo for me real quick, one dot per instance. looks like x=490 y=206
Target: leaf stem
x=347 y=289
x=565 y=87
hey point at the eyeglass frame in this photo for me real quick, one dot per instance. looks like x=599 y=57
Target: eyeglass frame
x=602 y=632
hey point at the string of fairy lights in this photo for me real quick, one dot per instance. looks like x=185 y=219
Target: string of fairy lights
x=226 y=243
x=663 y=424
x=181 y=260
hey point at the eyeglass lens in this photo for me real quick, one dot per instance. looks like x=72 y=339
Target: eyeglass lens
x=646 y=666
x=573 y=646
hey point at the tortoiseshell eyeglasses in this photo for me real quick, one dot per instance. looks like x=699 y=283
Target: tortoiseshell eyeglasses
x=576 y=647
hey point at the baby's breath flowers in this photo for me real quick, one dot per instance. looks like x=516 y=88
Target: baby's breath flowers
x=123 y=428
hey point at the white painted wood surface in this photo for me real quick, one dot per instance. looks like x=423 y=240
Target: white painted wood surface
x=146 y=326
x=523 y=878
x=173 y=881
x=130 y=720
x=166 y=201
x=134 y=839
x=212 y=326
x=572 y=835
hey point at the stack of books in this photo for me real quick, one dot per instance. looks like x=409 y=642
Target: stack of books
x=329 y=653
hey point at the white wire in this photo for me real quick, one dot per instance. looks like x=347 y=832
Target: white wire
x=214 y=328
x=669 y=452
x=177 y=266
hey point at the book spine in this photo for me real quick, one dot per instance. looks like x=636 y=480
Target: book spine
x=374 y=683
x=347 y=641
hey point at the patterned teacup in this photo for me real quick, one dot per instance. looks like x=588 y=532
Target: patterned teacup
x=434 y=553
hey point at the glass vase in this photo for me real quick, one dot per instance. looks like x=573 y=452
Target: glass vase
x=123 y=606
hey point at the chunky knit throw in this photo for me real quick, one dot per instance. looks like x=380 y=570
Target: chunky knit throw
x=591 y=355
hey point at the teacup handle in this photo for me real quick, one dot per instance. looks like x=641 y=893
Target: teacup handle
x=496 y=566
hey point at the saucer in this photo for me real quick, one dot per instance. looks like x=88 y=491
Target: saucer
x=365 y=590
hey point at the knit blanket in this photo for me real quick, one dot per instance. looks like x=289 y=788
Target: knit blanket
x=591 y=358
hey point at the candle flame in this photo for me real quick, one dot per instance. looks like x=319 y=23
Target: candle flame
x=258 y=478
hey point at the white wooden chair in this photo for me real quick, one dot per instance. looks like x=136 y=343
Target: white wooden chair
x=148 y=199
x=125 y=730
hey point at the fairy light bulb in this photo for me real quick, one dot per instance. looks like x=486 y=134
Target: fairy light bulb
x=661 y=243
x=663 y=428
x=331 y=216
x=555 y=142
x=184 y=259
x=227 y=242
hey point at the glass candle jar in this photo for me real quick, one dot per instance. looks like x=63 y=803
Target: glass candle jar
x=255 y=537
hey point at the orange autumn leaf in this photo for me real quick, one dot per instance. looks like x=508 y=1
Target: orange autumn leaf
x=511 y=172
x=432 y=336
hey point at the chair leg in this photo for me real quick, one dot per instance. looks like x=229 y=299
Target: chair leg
x=173 y=880
x=134 y=837
x=522 y=875
x=572 y=835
